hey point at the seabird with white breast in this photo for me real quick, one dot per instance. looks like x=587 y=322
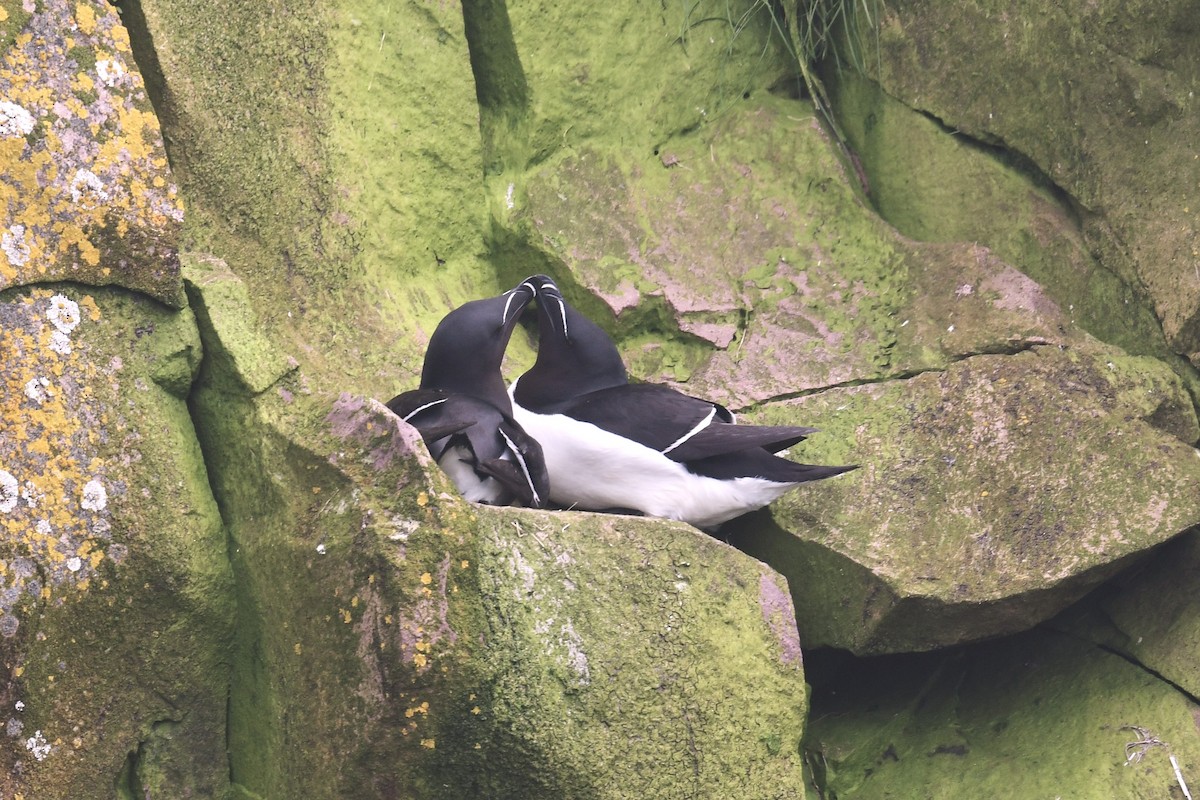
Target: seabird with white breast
x=462 y=409
x=609 y=443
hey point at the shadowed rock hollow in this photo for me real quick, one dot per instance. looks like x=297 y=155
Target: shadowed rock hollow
x=227 y=571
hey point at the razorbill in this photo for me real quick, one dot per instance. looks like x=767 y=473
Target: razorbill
x=612 y=444
x=462 y=409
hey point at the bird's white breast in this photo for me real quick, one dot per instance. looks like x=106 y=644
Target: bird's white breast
x=590 y=468
x=456 y=462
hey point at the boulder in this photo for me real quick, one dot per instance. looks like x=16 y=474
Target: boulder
x=87 y=194
x=1098 y=98
x=992 y=495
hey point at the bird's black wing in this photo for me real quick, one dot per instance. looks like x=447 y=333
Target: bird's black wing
x=758 y=463
x=680 y=426
x=499 y=448
x=437 y=415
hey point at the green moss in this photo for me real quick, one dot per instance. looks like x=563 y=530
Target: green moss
x=657 y=632
x=136 y=641
x=17 y=17
x=1057 y=78
x=84 y=58
x=940 y=185
x=1022 y=717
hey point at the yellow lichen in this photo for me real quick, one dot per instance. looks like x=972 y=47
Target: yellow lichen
x=52 y=511
x=85 y=17
x=58 y=199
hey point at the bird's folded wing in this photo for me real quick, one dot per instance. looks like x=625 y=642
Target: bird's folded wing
x=650 y=414
x=721 y=438
x=680 y=426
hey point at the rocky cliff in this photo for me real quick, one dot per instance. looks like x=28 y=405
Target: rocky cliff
x=227 y=571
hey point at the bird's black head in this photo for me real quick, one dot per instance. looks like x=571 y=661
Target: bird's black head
x=575 y=355
x=466 y=349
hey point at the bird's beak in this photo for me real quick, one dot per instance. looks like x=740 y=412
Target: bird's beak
x=551 y=305
x=516 y=300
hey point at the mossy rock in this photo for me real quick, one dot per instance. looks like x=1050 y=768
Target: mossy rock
x=1043 y=714
x=1099 y=97
x=331 y=159
x=395 y=638
x=1150 y=615
x=635 y=658
x=936 y=185
x=991 y=495
x=117 y=595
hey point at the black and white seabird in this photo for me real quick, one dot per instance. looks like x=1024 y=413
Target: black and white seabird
x=646 y=447
x=462 y=409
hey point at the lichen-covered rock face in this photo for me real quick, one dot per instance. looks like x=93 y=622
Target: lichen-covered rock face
x=351 y=174
x=1100 y=96
x=116 y=604
x=86 y=193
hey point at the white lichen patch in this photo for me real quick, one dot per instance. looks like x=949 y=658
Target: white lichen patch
x=86 y=185
x=15 y=246
x=31 y=494
x=8 y=492
x=14 y=121
x=110 y=71
x=402 y=528
x=95 y=497
x=38 y=390
x=63 y=313
x=53 y=504
x=38 y=745
x=60 y=343
x=577 y=659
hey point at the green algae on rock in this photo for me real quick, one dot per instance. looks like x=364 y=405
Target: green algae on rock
x=85 y=189
x=1101 y=97
x=222 y=301
x=937 y=185
x=331 y=158
x=1038 y=715
x=1150 y=616
x=993 y=494
x=117 y=604
x=637 y=658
